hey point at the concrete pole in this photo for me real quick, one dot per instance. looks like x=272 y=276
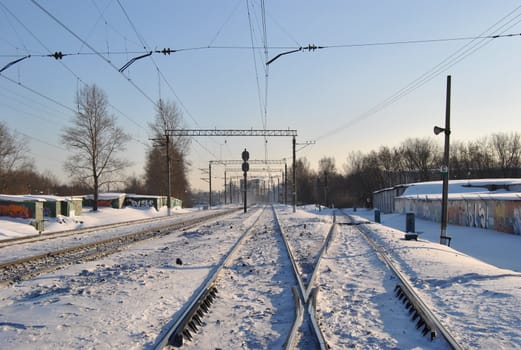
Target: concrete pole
x=294 y=174
x=445 y=174
x=169 y=176
x=210 y=185
x=225 y=187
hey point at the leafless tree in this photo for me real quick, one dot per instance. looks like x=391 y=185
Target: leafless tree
x=420 y=155
x=327 y=164
x=168 y=117
x=13 y=154
x=95 y=141
x=507 y=150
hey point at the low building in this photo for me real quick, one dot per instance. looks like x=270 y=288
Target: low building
x=486 y=203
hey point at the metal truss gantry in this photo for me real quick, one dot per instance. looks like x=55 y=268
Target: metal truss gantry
x=241 y=132
x=230 y=132
x=236 y=162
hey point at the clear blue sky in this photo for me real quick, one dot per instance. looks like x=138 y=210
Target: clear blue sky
x=325 y=95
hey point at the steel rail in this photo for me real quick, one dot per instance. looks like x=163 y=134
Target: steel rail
x=409 y=290
x=297 y=320
x=305 y=291
x=65 y=233
x=312 y=310
x=116 y=242
x=323 y=250
x=296 y=271
x=175 y=333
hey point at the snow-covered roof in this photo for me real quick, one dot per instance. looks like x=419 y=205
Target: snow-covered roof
x=37 y=198
x=106 y=196
x=133 y=195
x=467 y=189
x=20 y=198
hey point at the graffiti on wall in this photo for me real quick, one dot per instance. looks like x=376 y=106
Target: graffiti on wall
x=477 y=214
x=15 y=211
x=517 y=221
x=140 y=203
x=499 y=215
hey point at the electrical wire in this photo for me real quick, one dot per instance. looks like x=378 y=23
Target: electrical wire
x=474 y=45
x=252 y=39
x=70 y=31
x=214 y=38
x=146 y=47
x=260 y=48
x=63 y=64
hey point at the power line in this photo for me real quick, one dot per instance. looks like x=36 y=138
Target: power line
x=38 y=93
x=477 y=43
x=92 y=49
x=167 y=51
x=57 y=55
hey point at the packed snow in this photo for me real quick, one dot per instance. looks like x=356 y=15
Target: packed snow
x=126 y=300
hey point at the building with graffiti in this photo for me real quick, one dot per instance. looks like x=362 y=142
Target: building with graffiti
x=490 y=204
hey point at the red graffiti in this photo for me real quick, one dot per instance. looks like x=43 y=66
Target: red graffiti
x=15 y=211
x=104 y=203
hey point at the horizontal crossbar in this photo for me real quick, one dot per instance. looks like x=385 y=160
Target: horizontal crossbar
x=229 y=132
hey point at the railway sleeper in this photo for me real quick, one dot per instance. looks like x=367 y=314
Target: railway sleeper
x=193 y=320
x=412 y=306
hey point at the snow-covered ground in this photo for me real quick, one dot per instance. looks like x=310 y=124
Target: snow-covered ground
x=17 y=227
x=125 y=300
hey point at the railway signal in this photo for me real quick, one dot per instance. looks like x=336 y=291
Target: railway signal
x=245 y=167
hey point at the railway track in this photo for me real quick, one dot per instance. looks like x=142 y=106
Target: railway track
x=260 y=270
x=369 y=275
x=158 y=222
x=32 y=265
x=274 y=280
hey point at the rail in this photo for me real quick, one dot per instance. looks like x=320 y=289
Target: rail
x=180 y=329
x=405 y=291
x=13 y=270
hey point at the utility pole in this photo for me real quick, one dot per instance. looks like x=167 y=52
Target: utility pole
x=325 y=190
x=445 y=175
x=225 y=187
x=285 y=184
x=210 y=186
x=161 y=142
x=168 y=199
x=294 y=175
x=445 y=167
x=231 y=193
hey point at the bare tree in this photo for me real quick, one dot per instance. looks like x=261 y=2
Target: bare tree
x=95 y=141
x=327 y=164
x=13 y=150
x=168 y=117
x=507 y=151
x=420 y=155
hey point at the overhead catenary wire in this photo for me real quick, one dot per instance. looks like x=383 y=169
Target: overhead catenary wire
x=70 y=31
x=165 y=52
x=56 y=55
x=476 y=43
x=325 y=47
x=310 y=47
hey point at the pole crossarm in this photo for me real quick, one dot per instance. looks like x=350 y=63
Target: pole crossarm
x=252 y=162
x=254 y=170
x=229 y=132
